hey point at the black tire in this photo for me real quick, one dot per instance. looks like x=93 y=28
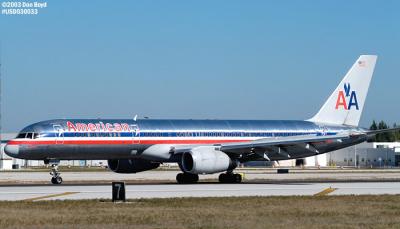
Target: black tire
x=53 y=180
x=237 y=177
x=59 y=180
x=222 y=178
x=229 y=178
x=180 y=178
x=187 y=178
x=194 y=178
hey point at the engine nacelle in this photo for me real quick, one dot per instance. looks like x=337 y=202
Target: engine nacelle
x=131 y=165
x=205 y=159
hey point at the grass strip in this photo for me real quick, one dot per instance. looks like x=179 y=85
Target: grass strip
x=365 y=211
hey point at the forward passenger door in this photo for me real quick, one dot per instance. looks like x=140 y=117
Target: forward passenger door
x=59 y=133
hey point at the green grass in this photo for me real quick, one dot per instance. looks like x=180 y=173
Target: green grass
x=242 y=212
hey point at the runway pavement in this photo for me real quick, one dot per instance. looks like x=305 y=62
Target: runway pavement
x=62 y=192
x=34 y=186
x=157 y=176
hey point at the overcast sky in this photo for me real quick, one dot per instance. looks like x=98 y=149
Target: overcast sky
x=194 y=59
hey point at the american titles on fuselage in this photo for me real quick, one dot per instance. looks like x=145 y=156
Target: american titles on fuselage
x=100 y=127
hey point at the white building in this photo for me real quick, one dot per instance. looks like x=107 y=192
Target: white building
x=6 y=161
x=367 y=154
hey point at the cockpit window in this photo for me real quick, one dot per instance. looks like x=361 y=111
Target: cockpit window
x=21 y=135
x=29 y=135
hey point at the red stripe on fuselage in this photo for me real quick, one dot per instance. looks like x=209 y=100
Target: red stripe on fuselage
x=121 y=142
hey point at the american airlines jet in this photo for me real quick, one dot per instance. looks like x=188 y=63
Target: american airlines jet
x=202 y=146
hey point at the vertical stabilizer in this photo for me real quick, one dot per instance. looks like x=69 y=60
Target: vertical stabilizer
x=345 y=105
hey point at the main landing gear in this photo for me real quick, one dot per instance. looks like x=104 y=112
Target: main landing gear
x=187 y=178
x=230 y=177
x=56 y=178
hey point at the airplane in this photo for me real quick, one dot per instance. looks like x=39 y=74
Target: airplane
x=202 y=146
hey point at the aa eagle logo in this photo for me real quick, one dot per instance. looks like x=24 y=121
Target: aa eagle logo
x=347 y=98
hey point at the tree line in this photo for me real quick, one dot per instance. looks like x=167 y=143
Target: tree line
x=384 y=137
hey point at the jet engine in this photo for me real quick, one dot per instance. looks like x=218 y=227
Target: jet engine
x=131 y=165
x=206 y=159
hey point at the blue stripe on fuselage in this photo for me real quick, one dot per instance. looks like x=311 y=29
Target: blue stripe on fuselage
x=186 y=134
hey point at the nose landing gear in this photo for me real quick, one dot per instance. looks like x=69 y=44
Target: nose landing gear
x=55 y=174
x=56 y=178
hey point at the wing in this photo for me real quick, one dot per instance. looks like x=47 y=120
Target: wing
x=284 y=147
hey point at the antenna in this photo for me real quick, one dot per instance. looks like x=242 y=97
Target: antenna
x=134 y=118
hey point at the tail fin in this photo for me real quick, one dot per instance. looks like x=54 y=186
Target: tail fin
x=345 y=105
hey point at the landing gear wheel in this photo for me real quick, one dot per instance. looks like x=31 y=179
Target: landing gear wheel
x=230 y=178
x=237 y=178
x=180 y=178
x=222 y=178
x=187 y=178
x=56 y=178
x=59 y=180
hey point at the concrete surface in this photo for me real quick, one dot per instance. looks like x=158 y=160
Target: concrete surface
x=62 y=192
x=157 y=176
x=34 y=186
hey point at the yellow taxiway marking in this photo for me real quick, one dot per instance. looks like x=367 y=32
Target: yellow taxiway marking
x=325 y=191
x=50 y=196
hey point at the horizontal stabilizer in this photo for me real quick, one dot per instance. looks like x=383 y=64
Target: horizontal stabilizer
x=374 y=132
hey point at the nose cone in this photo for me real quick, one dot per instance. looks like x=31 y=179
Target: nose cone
x=11 y=150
